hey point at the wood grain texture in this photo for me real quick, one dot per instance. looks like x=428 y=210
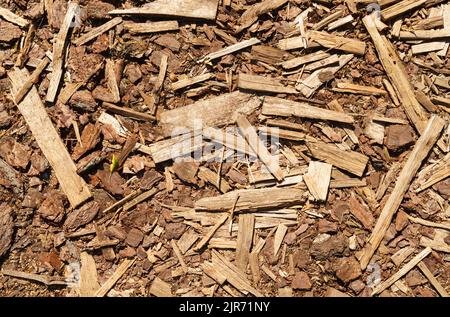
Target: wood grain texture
x=318 y=179
x=97 y=31
x=210 y=112
x=285 y=108
x=396 y=72
x=246 y=226
x=249 y=133
x=151 y=27
x=308 y=86
x=252 y=199
x=339 y=43
x=263 y=84
x=197 y=9
x=421 y=149
x=35 y=115
x=405 y=269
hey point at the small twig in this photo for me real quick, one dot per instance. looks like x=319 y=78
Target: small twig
x=47 y=280
x=211 y=232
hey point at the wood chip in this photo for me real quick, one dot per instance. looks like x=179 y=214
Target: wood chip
x=424 y=34
x=230 y=49
x=400 y=8
x=112 y=280
x=244 y=240
x=418 y=154
x=340 y=22
x=252 y=199
x=211 y=112
x=427 y=47
x=111 y=80
x=308 y=86
x=199 y=9
x=327 y=40
x=299 y=61
x=97 y=31
x=278 y=238
x=128 y=112
x=438 y=242
x=13 y=18
x=151 y=27
x=427 y=223
x=233 y=275
x=350 y=161
x=59 y=52
x=35 y=114
x=358 y=89
x=173 y=148
x=426 y=271
x=21 y=93
x=201 y=244
x=285 y=108
x=401 y=255
x=251 y=15
x=140 y=198
x=264 y=84
x=397 y=74
x=46 y=280
x=327 y=20
x=191 y=81
x=159 y=288
x=88 y=276
x=179 y=256
x=209 y=176
x=249 y=132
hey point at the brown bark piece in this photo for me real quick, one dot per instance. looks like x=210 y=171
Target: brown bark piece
x=186 y=171
x=52 y=208
x=81 y=216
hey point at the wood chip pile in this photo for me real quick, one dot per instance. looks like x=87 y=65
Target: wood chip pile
x=224 y=148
